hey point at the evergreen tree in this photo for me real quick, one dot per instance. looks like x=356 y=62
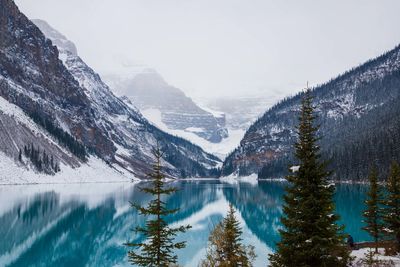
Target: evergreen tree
x=392 y=204
x=158 y=248
x=225 y=245
x=20 y=155
x=373 y=213
x=311 y=236
x=52 y=163
x=63 y=137
x=40 y=160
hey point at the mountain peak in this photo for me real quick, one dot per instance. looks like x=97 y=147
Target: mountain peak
x=56 y=37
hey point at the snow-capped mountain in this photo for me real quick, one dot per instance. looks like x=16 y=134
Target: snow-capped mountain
x=359 y=114
x=239 y=114
x=62 y=106
x=167 y=106
x=240 y=111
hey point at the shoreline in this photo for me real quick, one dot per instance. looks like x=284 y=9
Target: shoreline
x=332 y=181
x=72 y=183
x=222 y=179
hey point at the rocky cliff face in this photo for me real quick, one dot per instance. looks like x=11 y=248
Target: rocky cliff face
x=18 y=131
x=359 y=116
x=33 y=78
x=70 y=96
x=149 y=91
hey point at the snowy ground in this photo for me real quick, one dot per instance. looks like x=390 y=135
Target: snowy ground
x=94 y=171
x=360 y=254
x=221 y=149
x=233 y=179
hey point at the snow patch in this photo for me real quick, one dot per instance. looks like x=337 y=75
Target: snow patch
x=194 y=130
x=360 y=254
x=251 y=179
x=294 y=168
x=94 y=171
x=221 y=149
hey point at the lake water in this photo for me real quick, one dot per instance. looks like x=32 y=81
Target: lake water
x=87 y=224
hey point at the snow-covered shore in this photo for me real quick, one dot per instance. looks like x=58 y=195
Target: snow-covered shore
x=382 y=260
x=94 y=171
x=233 y=179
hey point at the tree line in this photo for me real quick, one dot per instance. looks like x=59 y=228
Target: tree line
x=63 y=137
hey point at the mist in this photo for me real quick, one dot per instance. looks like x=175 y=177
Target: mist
x=227 y=47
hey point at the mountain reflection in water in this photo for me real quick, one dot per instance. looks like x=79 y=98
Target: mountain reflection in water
x=87 y=224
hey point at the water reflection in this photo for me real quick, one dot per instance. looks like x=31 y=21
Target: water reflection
x=86 y=225
x=260 y=207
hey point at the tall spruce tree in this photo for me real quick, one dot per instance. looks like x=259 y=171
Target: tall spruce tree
x=225 y=245
x=158 y=248
x=311 y=236
x=392 y=205
x=373 y=213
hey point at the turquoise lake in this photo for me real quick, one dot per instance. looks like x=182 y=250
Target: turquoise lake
x=87 y=224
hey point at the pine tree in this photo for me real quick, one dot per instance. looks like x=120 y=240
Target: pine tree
x=158 y=248
x=392 y=204
x=225 y=245
x=373 y=213
x=32 y=153
x=311 y=236
x=52 y=163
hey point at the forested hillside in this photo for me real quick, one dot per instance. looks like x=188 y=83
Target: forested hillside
x=359 y=114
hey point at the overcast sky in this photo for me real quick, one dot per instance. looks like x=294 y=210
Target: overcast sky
x=226 y=47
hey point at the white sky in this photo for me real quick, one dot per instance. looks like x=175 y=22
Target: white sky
x=227 y=47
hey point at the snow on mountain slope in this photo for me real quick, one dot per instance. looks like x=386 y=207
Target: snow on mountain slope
x=18 y=130
x=238 y=114
x=240 y=111
x=76 y=111
x=220 y=149
x=148 y=90
x=359 y=113
x=33 y=78
x=124 y=125
x=56 y=37
x=89 y=172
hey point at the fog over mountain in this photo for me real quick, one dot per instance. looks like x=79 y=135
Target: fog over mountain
x=167 y=106
x=226 y=47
